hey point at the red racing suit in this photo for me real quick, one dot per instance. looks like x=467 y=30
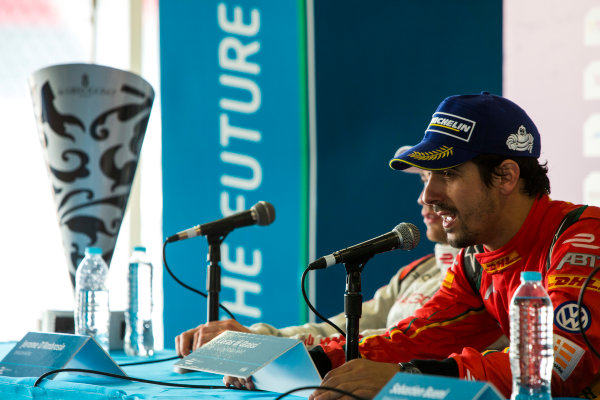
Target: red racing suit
x=465 y=316
x=411 y=287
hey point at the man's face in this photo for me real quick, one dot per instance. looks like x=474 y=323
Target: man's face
x=432 y=221
x=467 y=207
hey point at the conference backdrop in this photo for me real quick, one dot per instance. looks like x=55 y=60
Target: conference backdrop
x=382 y=67
x=234 y=97
x=233 y=82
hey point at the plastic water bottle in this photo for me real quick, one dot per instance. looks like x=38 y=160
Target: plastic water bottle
x=139 y=338
x=92 y=309
x=531 y=340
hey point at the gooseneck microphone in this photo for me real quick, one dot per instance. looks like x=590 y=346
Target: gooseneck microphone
x=262 y=213
x=404 y=236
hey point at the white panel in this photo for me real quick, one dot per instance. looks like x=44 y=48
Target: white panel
x=552 y=70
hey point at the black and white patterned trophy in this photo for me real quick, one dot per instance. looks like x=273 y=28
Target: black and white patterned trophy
x=91 y=122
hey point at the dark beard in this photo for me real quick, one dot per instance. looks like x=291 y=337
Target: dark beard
x=465 y=239
x=461 y=242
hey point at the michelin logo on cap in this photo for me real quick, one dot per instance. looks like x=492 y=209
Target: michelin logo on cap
x=451 y=125
x=520 y=141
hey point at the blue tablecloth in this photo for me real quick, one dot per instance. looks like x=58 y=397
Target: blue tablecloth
x=67 y=386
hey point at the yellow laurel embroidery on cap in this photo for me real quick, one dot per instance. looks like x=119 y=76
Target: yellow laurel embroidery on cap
x=442 y=152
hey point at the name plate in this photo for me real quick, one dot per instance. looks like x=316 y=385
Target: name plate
x=276 y=364
x=430 y=387
x=40 y=352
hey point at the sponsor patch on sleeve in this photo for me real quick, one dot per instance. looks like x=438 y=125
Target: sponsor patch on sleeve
x=563 y=281
x=566 y=356
x=447 y=283
x=583 y=240
x=566 y=317
x=579 y=260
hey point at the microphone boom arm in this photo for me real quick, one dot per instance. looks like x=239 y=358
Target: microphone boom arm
x=213 y=276
x=404 y=236
x=353 y=307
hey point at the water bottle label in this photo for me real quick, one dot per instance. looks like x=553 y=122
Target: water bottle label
x=566 y=356
x=566 y=317
x=139 y=338
x=531 y=339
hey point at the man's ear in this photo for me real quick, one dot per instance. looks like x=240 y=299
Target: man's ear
x=508 y=176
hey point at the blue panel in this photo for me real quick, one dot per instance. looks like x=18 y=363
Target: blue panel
x=234 y=131
x=382 y=67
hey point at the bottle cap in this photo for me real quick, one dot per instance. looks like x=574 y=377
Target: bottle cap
x=93 y=250
x=139 y=248
x=529 y=276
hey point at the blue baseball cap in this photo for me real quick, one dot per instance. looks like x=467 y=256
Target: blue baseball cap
x=465 y=126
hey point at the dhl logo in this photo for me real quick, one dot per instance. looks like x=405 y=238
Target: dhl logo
x=572 y=281
x=502 y=263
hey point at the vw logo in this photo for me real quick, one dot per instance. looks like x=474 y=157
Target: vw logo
x=566 y=317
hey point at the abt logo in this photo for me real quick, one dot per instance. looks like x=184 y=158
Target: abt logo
x=579 y=259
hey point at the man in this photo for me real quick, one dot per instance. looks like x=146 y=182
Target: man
x=408 y=290
x=483 y=179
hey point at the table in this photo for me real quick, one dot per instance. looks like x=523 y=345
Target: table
x=67 y=386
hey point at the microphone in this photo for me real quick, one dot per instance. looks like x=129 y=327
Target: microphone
x=404 y=236
x=262 y=213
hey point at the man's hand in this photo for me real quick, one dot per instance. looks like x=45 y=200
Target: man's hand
x=192 y=339
x=363 y=378
x=238 y=382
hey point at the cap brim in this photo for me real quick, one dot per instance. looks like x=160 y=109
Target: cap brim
x=431 y=156
x=412 y=170
x=409 y=169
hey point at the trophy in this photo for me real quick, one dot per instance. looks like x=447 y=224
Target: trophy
x=91 y=122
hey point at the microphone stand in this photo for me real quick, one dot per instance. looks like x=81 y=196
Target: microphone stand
x=213 y=276
x=353 y=307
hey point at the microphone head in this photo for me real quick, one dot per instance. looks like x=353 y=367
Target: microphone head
x=264 y=213
x=408 y=235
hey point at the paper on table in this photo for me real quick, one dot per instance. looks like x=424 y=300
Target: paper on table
x=40 y=352
x=276 y=364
